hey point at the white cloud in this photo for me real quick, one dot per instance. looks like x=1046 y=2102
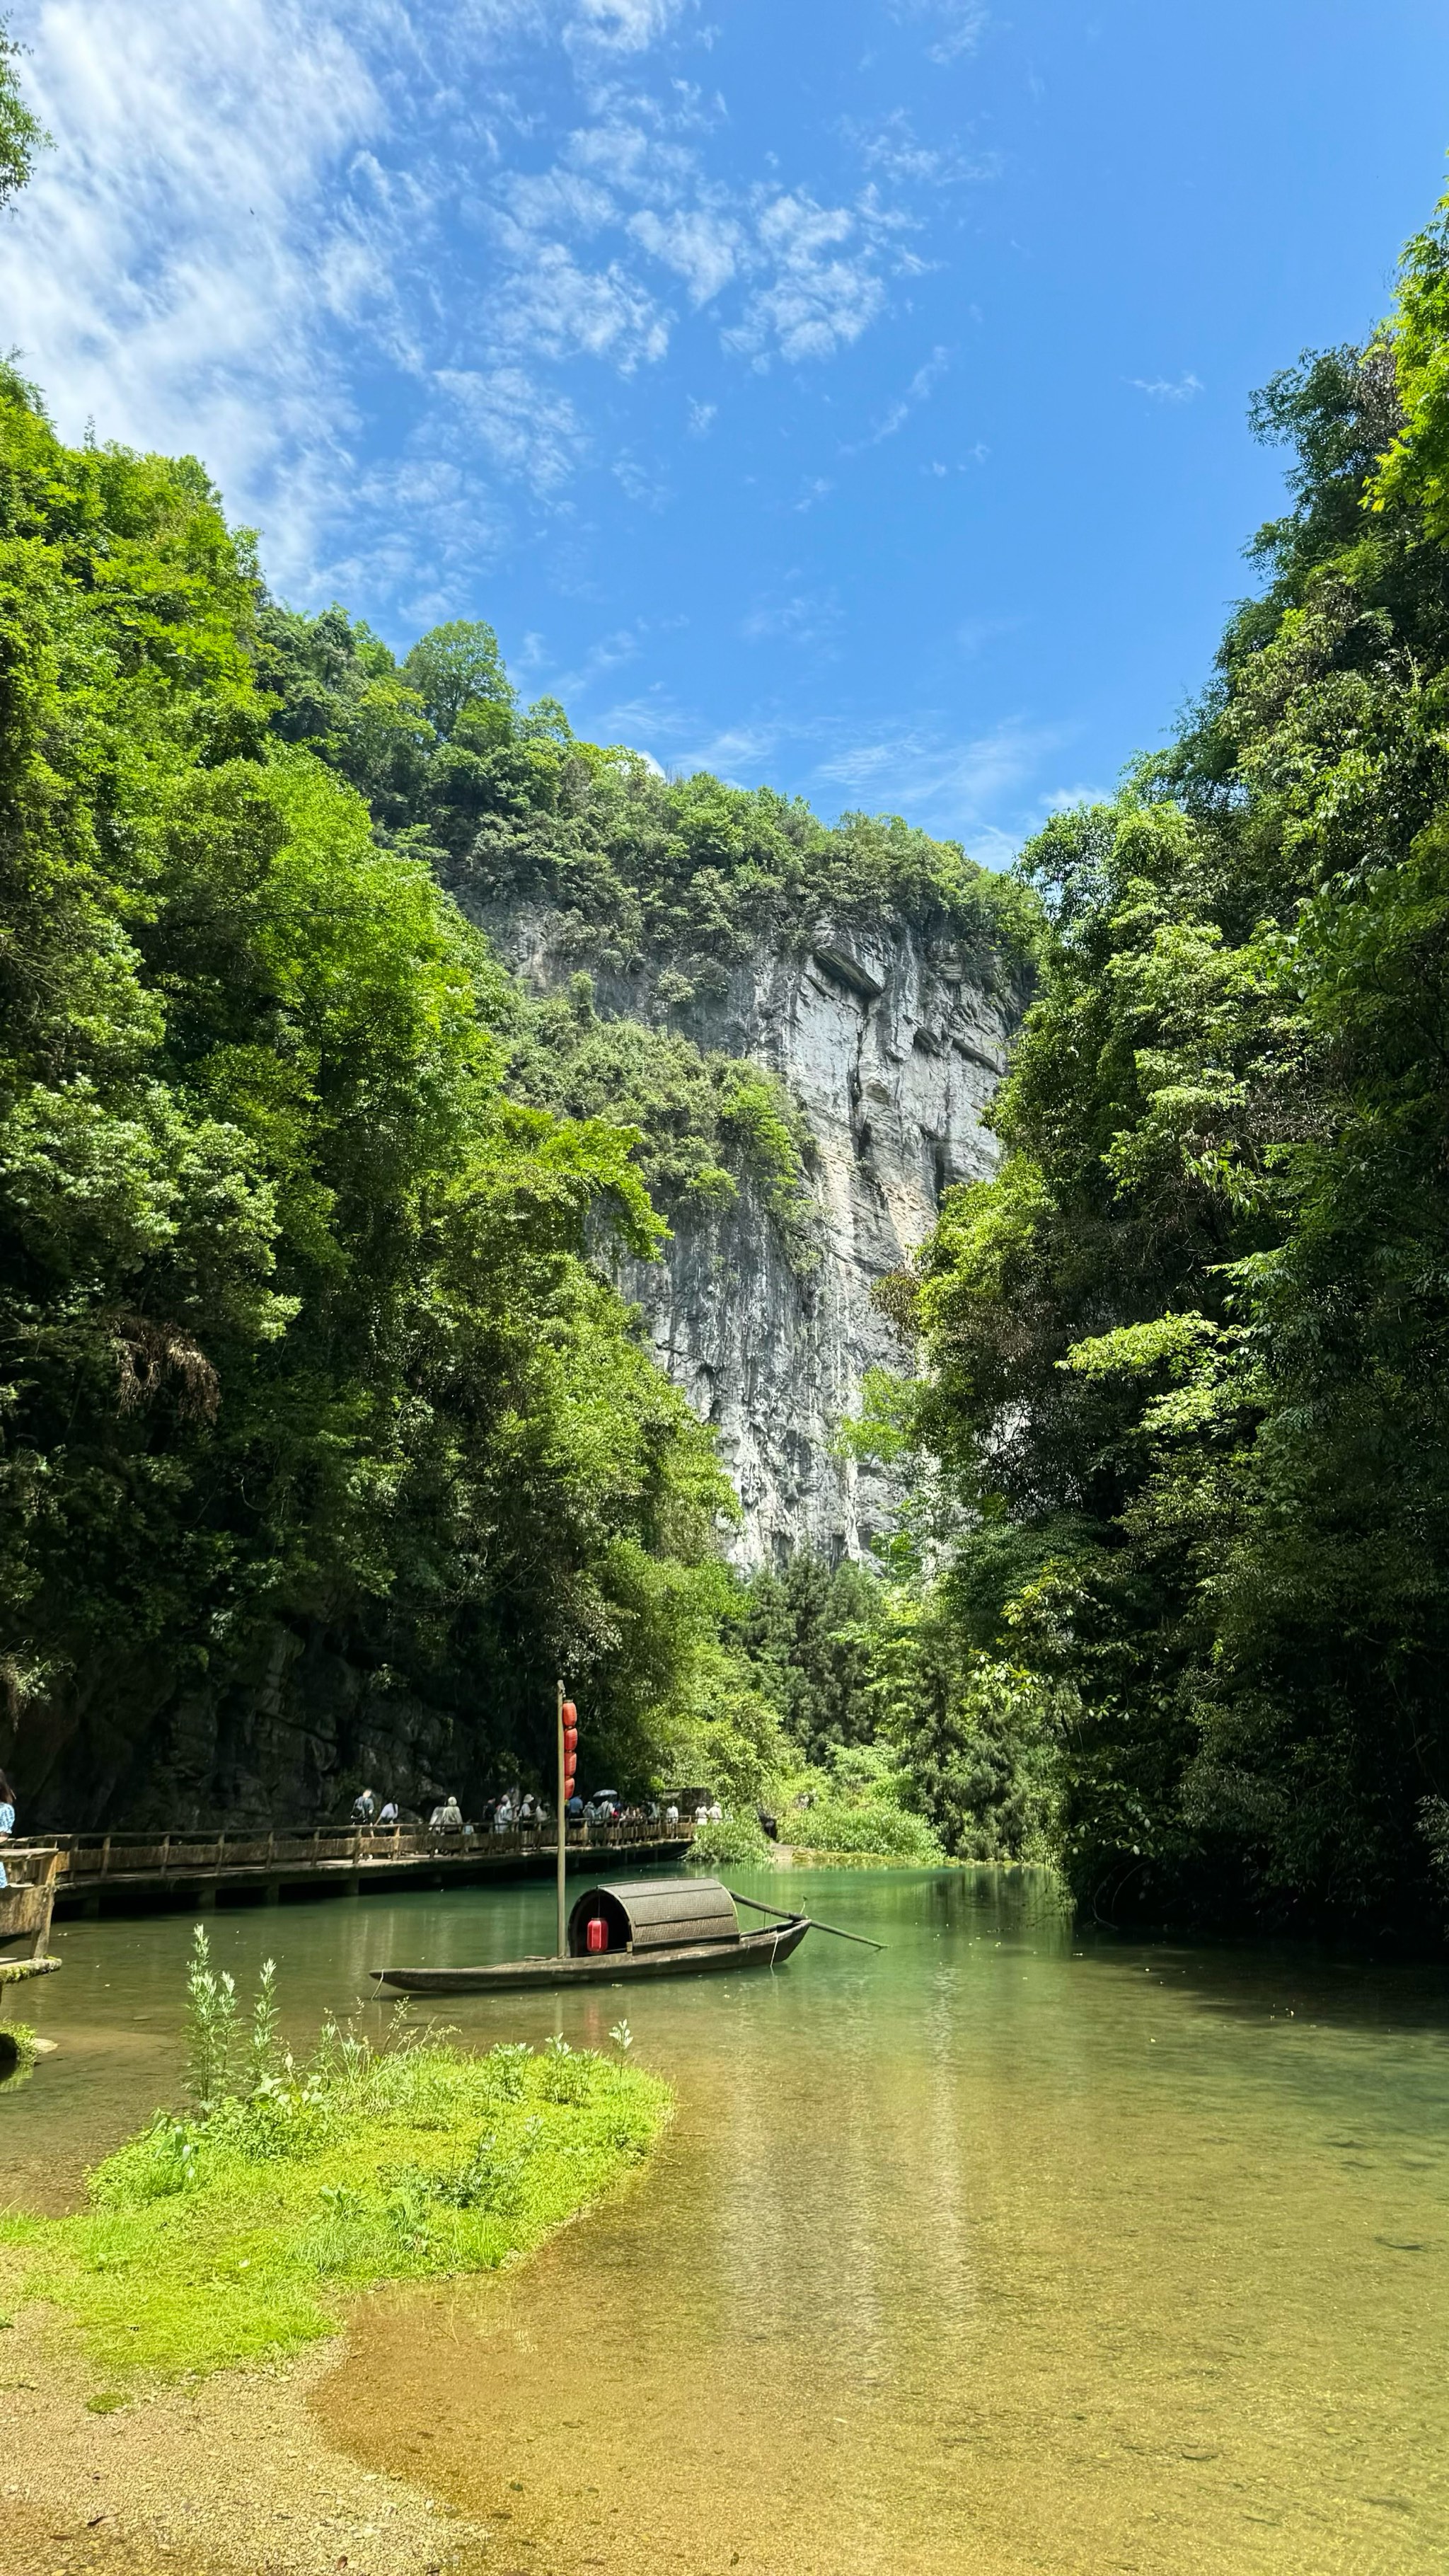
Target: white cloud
x=962 y=23
x=701 y=247
x=528 y=431
x=342 y=251
x=701 y=417
x=551 y=304
x=802 y=617
x=177 y=266
x=893 y=150
x=1173 y=389
x=825 y=288
x=626 y=26
x=648 y=488
x=920 y=389
x=947 y=784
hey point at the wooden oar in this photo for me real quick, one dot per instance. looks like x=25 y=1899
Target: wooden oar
x=812 y=1919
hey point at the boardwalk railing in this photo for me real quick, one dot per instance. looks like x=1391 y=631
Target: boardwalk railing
x=87 y=1863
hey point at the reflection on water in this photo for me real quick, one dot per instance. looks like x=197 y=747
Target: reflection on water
x=1005 y=2250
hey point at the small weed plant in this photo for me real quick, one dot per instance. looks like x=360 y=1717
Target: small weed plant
x=231 y=2232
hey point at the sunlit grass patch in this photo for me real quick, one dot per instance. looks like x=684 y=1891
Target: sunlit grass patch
x=232 y=2234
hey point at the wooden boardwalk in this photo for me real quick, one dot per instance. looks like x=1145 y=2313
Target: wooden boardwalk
x=114 y=1873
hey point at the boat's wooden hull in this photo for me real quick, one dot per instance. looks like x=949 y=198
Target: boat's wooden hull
x=608 y=1968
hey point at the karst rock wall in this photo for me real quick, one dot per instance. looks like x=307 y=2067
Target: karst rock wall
x=892 y=1041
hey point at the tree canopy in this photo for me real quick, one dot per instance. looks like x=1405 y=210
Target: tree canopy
x=1185 y=1359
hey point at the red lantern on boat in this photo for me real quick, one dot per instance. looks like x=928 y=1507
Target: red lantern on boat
x=596 y=1934
x=570 y=1713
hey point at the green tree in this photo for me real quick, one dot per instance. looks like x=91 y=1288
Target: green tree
x=306 y=1365
x=1186 y=1355
x=21 y=133
x=457 y=669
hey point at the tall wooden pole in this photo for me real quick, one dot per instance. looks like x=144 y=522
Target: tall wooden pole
x=562 y=1829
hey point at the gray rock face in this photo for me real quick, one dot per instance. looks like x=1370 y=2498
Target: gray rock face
x=892 y=1045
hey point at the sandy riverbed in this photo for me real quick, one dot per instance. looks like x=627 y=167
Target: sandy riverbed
x=233 y=2476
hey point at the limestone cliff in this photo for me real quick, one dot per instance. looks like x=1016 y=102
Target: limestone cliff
x=892 y=1043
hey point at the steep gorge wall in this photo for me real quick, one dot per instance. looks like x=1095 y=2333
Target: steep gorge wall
x=892 y=1043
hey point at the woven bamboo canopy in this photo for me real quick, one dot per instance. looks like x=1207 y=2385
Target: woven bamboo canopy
x=654 y=1914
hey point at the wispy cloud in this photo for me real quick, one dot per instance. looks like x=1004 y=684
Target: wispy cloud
x=892 y=150
x=922 y=385
x=794 y=616
x=927 y=764
x=1171 y=389
x=183 y=257
x=701 y=246
x=370 y=261
x=991 y=790
x=623 y=26
x=526 y=430
x=825 y=287
x=959 y=25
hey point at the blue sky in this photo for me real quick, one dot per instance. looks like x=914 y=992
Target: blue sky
x=849 y=397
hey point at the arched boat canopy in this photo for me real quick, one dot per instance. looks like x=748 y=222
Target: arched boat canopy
x=654 y=1914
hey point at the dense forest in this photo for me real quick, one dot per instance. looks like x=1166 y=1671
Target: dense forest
x=315 y=1378
x=1182 y=1364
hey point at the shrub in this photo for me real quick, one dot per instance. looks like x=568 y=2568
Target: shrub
x=737 y=1842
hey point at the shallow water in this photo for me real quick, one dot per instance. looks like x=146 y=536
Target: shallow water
x=1005 y=2250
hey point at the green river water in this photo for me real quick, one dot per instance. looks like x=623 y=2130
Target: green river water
x=1007 y=2249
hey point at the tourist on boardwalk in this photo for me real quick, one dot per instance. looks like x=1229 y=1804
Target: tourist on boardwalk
x=389 y=1815
x=364 y=1808
x=7 y=1820
x=503 y=1815
x=447 y=1819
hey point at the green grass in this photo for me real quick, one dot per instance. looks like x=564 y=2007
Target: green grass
x=234 y=2235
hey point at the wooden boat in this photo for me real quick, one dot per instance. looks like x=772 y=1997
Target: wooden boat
x=651 y=1927
x=27 y=1902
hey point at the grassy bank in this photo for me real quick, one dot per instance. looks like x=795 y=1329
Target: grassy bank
x=234 y=2233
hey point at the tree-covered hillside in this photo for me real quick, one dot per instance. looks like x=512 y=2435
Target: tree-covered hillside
x=317 y=1401
x=1187 y=1358
x=298 y=1322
